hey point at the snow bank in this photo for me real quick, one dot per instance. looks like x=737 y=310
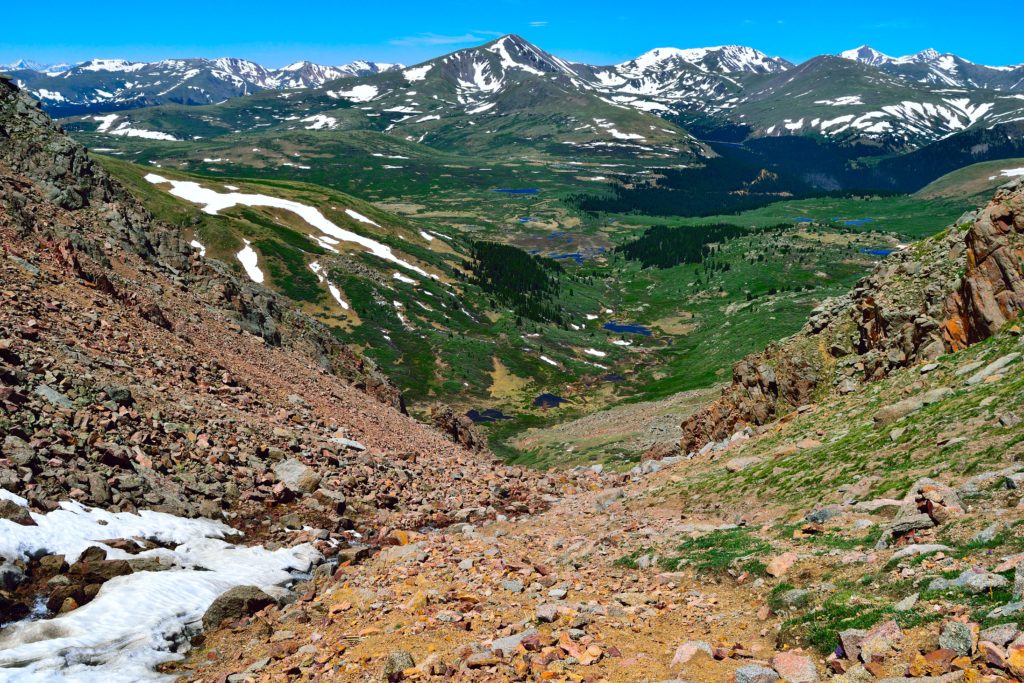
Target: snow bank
x=135 y=621
x=418 y=73
x=214 y=201
x=318 y=270
x=250 y=261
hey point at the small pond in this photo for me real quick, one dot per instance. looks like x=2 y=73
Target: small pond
x=626 y=328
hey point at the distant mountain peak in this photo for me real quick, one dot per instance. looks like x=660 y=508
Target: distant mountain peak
x=516 y=52
x=867 y=55
x=721 y=59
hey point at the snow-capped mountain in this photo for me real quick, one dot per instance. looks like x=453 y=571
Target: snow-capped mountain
x=30 y=65
x=115 y=84
x=866 y=55
x=850 y=101
x=514 y=88
x=725 y=59
x=942 y=69
x=671 y=80
x=309 y=75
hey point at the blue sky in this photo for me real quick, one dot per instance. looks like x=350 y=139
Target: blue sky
x=596 y=31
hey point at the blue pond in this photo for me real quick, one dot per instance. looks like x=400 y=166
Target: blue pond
x=627 y=328
x=515 y=190
x=577 y=257
x=525 y=219
x=877 y=252
x=614 y=378
x=488 y=415
x=854 y=221
x=549 y=401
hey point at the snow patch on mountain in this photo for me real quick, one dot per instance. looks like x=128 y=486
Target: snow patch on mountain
x=418 y=73
x=359 y=93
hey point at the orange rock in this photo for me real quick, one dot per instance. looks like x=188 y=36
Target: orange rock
x=1015 y=658
x=781 y=564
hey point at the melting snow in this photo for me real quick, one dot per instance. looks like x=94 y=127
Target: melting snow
x=126 y=131
x=1010 y=173
x=360 y=217
x=319 y=121
x=250 y=261
x=335 y=292
x=135 y=621
x=549 y=361
x=214 y=201
x=196 y=244
x=360 y=93
x=842 y=101
x=402 y=278
x=418 y=73
x=595 y=353
x=105 y=122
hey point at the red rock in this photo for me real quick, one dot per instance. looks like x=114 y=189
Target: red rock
x=687 y=651
x=778 y=566
x=795 y=668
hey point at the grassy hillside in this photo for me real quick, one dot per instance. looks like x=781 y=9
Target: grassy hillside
x=975 y=181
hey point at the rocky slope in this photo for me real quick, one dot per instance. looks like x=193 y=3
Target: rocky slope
x=136 y=375
x=873 y=535
x=935 y=297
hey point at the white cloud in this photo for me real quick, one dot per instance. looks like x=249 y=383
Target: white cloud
x=438 y=39
x=538 y=24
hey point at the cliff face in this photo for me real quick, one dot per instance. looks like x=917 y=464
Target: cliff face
x=991 y=292
x=937 y=296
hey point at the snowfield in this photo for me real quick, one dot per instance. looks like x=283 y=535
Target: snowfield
x=250 y=261
x=359 y=93
x=136 y=621
x=213 y=202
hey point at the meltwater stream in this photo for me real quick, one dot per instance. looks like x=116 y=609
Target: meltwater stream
x=137 y=621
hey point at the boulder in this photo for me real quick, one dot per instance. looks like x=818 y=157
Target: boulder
x=959 y=637
x=507 y=645
x=974 y=581
x=13 y=512
x=688 y=650
x=755 y=673
x=397 y=662
x=458 y=428
x=297 y=476
x=1000 y=635
x=880 y=641
x=793 y=667
x=778 y=566
x=238 y=602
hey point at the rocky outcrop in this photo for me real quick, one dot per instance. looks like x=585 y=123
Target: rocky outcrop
x=936 y=296
x=459 y=428
x=991 y=292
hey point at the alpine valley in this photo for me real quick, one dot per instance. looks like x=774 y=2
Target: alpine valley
x=702 y=366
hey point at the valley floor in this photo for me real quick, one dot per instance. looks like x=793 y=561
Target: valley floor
x=692 y=570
